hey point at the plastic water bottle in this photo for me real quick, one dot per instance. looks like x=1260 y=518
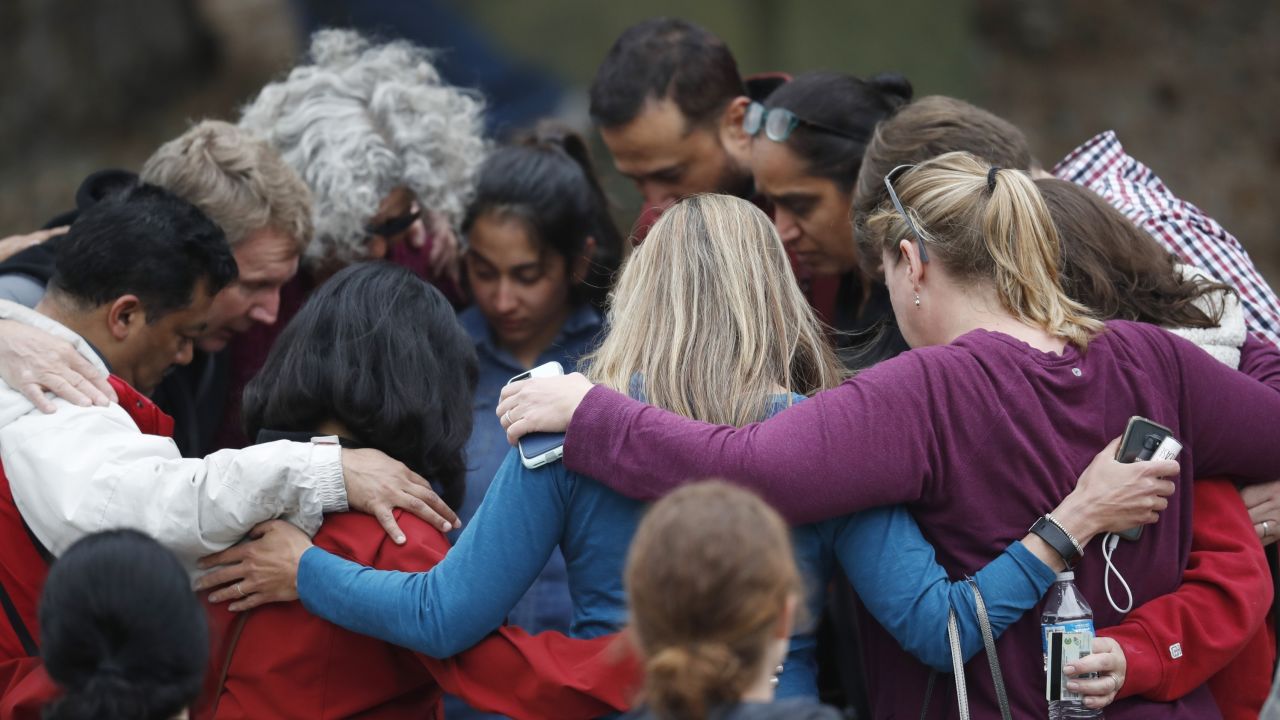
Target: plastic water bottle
x=1067 y=612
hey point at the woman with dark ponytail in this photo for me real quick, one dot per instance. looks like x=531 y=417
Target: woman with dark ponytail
x=808 y=140
x=541 y=253
x=122 y=634
x=711 y=626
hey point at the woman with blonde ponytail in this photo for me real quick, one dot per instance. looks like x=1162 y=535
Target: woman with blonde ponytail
x=711 y=626
x=1007 y=394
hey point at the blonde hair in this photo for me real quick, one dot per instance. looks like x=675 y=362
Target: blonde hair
x=707 y=317
x=998 y=233
x=235 y=178
x=708 y=577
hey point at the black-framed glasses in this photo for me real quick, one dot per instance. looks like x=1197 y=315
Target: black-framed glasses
x=778 y=123
x=394 y=226
x=894 y=174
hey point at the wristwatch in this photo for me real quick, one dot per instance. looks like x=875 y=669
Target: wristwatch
x=1052 y=532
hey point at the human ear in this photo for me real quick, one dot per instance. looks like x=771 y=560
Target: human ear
x=910 y=252
x=731 y=132
x=125 y=315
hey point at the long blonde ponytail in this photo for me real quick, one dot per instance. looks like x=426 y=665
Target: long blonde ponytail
x=990 y=226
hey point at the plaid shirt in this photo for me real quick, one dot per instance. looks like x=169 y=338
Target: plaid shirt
x=1193 y=237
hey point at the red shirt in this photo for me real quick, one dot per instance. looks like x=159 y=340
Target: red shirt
x=288 y=663
x=1213 y=627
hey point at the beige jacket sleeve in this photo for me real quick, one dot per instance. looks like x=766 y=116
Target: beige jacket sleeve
x=81 y=470
x=85 y=469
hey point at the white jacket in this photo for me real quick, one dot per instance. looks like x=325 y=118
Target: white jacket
x=85 y=469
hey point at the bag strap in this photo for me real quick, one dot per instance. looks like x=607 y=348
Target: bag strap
x=957 y=661
x=989 y=642
x=226 y=662
x=19 y=627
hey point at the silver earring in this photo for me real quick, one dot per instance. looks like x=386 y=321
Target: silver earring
x=773 y=681
x=917 y=299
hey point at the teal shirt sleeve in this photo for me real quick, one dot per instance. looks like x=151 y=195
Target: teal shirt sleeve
x=470 y=592
x=896 y=574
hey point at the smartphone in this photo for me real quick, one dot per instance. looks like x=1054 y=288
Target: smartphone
x=1142 y=440
x=538 y=449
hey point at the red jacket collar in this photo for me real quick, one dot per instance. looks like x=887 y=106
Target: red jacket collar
x=148 y=416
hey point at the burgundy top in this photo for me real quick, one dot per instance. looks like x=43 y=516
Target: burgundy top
x=978 y=437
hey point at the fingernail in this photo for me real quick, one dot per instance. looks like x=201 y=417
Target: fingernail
x=1069 y=670
x=211 y=598
x=1073 y=686
x=447 y=527
x=399 y=539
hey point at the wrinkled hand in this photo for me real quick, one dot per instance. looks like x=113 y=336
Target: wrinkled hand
x=1112 y=496
x=15 y=244
x=1107 y=659
x=1263 y=501
x=33 y=361
x=255 y=573
x=541 y=404
x=377 y=485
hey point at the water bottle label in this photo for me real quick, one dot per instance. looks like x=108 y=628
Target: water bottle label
x=1065 y=649
x=1071 y=626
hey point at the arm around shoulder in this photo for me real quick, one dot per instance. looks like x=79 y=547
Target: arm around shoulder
x=84 y=469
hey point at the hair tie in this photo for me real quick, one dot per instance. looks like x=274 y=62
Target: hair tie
x=991 y=178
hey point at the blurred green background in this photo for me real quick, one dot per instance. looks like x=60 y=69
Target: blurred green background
x=1193 y=88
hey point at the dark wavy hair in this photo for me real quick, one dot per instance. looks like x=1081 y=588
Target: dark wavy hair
x=1119 y=271
x=122 y=633
x=379 y=351
x=546 y=182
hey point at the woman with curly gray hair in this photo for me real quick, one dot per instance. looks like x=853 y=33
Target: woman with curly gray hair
x=389 y=150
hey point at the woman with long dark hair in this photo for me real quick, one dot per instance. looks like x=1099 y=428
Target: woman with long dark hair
x=376 y=359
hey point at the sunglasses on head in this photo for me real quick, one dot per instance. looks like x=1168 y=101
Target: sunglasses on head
x=778 y=123
x=394 y=226
x=893 y=175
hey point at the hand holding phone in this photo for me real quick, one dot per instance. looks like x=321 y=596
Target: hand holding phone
x=1145 y=440
x=538 y=449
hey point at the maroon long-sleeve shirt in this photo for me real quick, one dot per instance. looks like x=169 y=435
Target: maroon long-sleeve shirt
x=978 y=437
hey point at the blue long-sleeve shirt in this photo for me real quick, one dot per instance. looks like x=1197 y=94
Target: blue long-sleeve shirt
x=546 y=604
x=528 y=513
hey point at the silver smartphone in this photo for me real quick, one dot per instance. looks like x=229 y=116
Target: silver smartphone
x=538 y=449
x=1145 y=440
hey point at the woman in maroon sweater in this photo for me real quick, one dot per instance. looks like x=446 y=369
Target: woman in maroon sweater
x=1011 y=389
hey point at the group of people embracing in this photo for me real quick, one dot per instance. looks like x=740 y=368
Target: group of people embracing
x=855 y=346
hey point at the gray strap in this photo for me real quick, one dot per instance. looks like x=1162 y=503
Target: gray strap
x=957 y=665
x=989 y=642
x=957 y=661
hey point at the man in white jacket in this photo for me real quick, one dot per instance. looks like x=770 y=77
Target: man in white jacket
x=131 y=293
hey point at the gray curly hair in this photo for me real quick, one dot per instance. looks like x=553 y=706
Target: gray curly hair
x=363 y=119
